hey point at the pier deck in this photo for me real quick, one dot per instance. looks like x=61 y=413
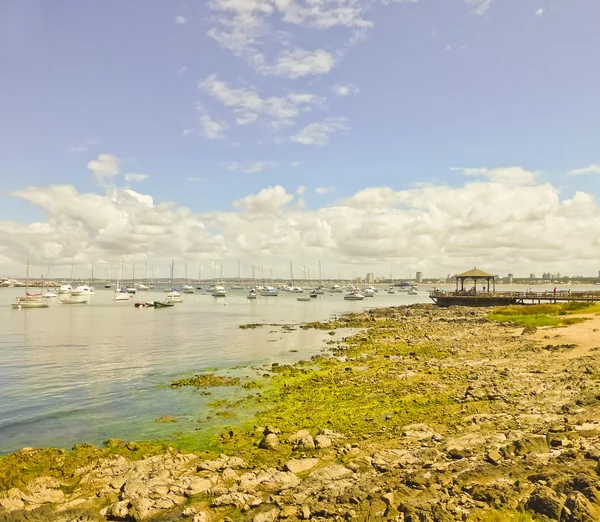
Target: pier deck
x=470 y=298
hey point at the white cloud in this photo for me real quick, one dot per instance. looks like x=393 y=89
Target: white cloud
x=324 y=190
x=513 y=175
x=195 y=179
x=180 y=20
x=271 y=199
x=480 y=7
x=295 y=164
x=300 y=190
x=135 y=177
x=182 y=70
x=243 y=28
x=212 y=129
x=487 y=220
x=249 y=168
x=539 y=12
x=295 y=63
x=590 y=169
x=340 y=89
x=105 y=168
x=318 y=133
x=248 y=106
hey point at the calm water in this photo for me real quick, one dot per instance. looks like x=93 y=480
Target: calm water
x=84 y=373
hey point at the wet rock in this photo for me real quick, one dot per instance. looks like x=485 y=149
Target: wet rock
x=494 y=457
x=118 y=510
x=544 y=501
x=305 y=512
x=300 y=465
x=203 y=516
x=418 y=431
x=269 y=442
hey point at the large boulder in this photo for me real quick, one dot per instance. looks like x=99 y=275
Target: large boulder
x=544 y=501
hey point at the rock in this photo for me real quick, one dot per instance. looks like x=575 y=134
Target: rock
x=271 y=430
x=45 y=496
x=298 y=436
x=531 y=444
x=300 y=465
x=458 y=452
x=269 y=441
x=544 y=501
x=305 y=512
x=198 y=485
x=579 y=509
x=289 y=512
x=142 y=509
x=388 y=498
x=267 y=516
x=417 y=431
x=322 y=441
x=494 y=457
x=203 y=516
x=118 y=510
x=306 y=443
x=333 y=472
x=189 y=512
x=238 y=500
x=332 y=434
x=132 y=446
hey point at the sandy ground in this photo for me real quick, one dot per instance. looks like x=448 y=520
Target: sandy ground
x=585 y=335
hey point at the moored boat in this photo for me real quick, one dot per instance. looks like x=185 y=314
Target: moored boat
x=354 y=296
x=269 y=292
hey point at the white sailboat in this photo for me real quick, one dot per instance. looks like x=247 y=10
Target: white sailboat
x=354 y=296
x=173 y=296
x=120 y=293
x=187 y=288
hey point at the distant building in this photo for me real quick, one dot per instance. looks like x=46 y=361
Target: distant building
x=532 y=276
x=507 y=280
x=370 y=279
x=511 y=275
x=546 y=275
x=557 y=275
x=419 y=276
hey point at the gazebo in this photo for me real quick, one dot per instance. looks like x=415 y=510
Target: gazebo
x=475 y=275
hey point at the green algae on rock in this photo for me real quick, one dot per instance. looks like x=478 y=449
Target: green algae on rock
x=166 y=419
x=206 y=380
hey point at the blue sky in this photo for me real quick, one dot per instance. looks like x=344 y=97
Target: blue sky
x=214 y=101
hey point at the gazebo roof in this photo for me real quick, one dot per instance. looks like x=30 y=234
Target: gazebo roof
x=475 y=273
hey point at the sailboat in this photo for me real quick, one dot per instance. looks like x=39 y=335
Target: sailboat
x=238 y=285
x=132 y=289
x=120 y=293
x=30 y=300
x=66 y=288
x=108 y=285
x=293 y=289
x=173 y=296
x=187 y=288
x=199 y=278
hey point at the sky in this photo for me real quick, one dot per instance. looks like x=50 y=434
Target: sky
x=371 y=135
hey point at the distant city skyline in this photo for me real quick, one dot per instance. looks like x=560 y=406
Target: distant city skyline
x=430 y=135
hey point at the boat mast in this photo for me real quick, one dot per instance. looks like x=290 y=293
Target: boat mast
x=186 y=275
x=133 y=274
x=292 y=272
x=239 y=273
x=320 y=274
x=72 y=263
x=92 y=282
x=109 y=271
x=27 y=277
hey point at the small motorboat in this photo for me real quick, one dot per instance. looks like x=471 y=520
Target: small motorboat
x=219 y=291
x=122 y=295
x=252 y=294
x=174 y=297
x=413 y=291
x=147 y=304
x=305 y=298
x=163 y=304
x=369 y=292
x=313 y=295
x=187 y=289
x=269 y=292
x=391 y=290
x=354 y=296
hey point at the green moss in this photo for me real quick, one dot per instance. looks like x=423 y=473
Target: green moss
x=206 y=380
x=543 y=314
x=503 y=515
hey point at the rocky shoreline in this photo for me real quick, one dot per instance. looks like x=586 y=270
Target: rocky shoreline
x=426 y=414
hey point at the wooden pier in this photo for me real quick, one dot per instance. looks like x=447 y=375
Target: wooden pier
x=486 y=294
x=470 y=298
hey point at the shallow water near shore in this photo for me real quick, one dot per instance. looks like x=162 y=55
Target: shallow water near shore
x=71 y=374
x=84 y=373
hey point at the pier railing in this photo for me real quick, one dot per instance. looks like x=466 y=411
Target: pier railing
x=522 y=296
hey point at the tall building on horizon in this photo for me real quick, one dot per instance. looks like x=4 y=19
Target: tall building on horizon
x=419 y=277
x=370 y=279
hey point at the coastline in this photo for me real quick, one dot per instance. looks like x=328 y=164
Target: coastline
x=425 y=414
